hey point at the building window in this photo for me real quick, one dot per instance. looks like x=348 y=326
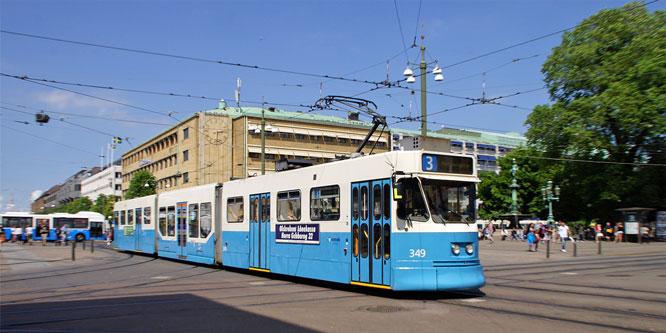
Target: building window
x=186 y=155
x=342 y=140
x=328 y=139
x=285 y=135
x=186 y=177
x=186 y=133
x=118 y=187
x=300 y=137
x=254 y=155
x=118 y=174
x=314 y=138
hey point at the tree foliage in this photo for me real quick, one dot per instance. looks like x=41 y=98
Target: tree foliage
x=138 y=188
x=607 y=85
x=607 y=82
x=80 y=204
x=104 y=204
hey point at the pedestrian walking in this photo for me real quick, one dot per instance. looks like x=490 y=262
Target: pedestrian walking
x=490 y=229
x=28 y=235
x=44 y=233
x=58 y=234
x=531 y=238
x=564 y=232
x=16 y=234
x=619 y=232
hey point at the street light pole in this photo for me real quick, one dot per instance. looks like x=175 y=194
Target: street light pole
x=423 y=66
x=263 y=141
x=550 y=194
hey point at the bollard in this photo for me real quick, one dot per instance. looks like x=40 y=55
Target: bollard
x=92 y=246
x=73 y=251
x=575 y=245
x=599 y=251
x=548 y=248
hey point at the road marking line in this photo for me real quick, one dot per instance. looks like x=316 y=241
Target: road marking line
x=473 y=300
x=161 y=277
x=569 y=273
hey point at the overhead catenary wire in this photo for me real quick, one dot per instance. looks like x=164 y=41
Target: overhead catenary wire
x=161 y=54
x=80 y=115
x=49 y=140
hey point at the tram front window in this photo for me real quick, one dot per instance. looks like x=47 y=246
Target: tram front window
x=412 y=207
x=449 y=201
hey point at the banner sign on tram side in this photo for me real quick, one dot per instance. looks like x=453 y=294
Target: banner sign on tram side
x=297 y=233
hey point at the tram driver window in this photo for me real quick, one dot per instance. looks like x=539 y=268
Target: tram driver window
x=193 y=221
x=412 y=205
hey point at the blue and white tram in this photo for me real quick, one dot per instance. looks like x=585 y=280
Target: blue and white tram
x=178 y=224
x=401 y=220
x=135 y=228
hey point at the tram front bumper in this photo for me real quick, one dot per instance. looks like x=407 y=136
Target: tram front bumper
x=455 y=277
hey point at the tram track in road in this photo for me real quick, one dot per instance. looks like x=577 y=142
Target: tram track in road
x=568 y=263
x=533 y=315
x=77 y=269
x=81 y=293
x=596 y=267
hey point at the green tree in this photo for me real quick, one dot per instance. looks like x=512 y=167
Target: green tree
x=138 y=188
x=104 y=204
x=607 y=82
x=80 y=204
x=533 y=173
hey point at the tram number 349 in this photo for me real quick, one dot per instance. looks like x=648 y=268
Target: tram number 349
x=421 y=253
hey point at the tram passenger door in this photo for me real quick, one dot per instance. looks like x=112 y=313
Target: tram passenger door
x=181 y=229
x=371 y=226
x=137 y=229
x=260 y=228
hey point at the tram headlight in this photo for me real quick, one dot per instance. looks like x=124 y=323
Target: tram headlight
x=455 y=249
x=469 y=248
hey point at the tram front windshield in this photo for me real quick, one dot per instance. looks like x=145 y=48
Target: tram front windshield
x=448 y=201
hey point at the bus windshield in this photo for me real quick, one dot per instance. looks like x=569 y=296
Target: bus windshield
x=450 y=201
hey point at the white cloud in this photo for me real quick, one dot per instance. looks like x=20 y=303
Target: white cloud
x=35 y=194
x=65 y=100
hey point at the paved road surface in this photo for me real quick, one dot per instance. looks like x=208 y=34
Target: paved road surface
x=43 y=290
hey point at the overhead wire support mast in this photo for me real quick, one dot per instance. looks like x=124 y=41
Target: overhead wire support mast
x=359 y=104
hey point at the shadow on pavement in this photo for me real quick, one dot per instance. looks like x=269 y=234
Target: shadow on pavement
x=166 y=313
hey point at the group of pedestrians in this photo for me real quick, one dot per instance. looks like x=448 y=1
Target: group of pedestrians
x=26 y=235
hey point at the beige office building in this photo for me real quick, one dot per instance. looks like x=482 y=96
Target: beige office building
x=225 y=143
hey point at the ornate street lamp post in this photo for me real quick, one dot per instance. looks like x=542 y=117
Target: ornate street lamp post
x=550 y=194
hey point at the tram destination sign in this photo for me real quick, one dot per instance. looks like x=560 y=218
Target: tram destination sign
x=297 y=233
x=447 y=164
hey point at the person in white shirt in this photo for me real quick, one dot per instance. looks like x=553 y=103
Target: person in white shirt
x=564 y=233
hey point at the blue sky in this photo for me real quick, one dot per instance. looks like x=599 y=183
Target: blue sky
x=352 y=39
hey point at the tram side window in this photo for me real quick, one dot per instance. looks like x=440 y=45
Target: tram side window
x=130 y=217
x=194 y=220
x=146 y=215
x=377 y=202
x=364 y=240
x=254 y=209
x=235 y=210
x=265 y=209
x=138 y=217
x=364 y=203
x=377 y=237
x=387 y=201
x=289 y=205
x=325 y=203
x=205 y=219
x=122 y=217
x=171 y=221
x=115 y=218
x=355 y=203
x=162 y=216
x=355 y=240
x=387 y=241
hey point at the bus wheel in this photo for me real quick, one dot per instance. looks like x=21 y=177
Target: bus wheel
x=80 y=237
